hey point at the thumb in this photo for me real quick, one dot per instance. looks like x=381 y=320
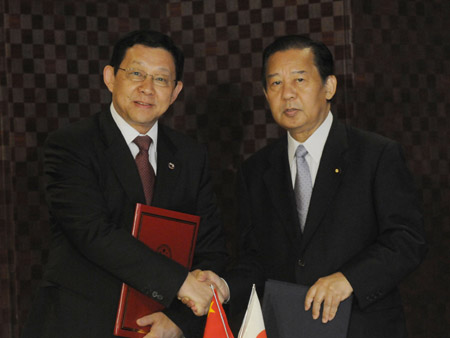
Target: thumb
x=145 y=321
x=202 y=276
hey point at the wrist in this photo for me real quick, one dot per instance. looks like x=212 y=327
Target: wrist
x=228 y=294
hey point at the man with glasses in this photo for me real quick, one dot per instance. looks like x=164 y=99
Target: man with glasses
x=93 y=185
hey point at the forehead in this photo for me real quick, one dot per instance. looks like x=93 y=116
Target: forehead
x=149 y=57
x=290 y=60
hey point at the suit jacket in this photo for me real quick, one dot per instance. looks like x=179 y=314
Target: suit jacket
x=363 y=220
x=92 y=190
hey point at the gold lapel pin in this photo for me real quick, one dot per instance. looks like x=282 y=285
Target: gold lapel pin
x=337 y=171
x=171 y=166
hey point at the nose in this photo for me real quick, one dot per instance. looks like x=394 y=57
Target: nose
x=288 y=91
x=147 y=86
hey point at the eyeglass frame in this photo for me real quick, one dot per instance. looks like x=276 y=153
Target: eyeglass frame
x=127 y=71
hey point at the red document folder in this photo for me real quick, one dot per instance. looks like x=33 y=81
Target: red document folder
x=169 y=233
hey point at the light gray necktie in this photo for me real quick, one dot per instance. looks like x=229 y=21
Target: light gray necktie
x=303 y=185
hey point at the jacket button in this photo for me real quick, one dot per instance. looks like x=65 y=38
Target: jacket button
x=301 y=262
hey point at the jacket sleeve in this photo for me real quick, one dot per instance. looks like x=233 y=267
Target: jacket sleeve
x=81 y=215
x=210 y=249
x=400 y=244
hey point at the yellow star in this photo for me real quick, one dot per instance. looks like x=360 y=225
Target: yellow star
x=211 y=308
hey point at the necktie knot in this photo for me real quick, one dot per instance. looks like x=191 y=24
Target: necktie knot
x=143 y=142
x=301 y=151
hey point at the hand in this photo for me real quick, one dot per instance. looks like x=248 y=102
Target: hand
x=198 y=292
x=162 y=326
x=209 y=277
x=331 y=291
x=219 y=284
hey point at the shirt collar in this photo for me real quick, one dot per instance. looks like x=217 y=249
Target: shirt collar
x=128 y=132
x=315 y=143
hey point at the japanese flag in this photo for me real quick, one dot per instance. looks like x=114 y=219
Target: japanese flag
x=253 y=324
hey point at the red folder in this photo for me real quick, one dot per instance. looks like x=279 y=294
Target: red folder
x=169 y=233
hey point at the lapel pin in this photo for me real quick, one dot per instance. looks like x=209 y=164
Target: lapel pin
x=171 y=166
x=337 y=171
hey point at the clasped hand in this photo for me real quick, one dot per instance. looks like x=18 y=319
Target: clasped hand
x=328 y=291
x=196 y=292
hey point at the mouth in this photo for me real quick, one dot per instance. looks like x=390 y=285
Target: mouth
x=291 y=111
x=143 y=104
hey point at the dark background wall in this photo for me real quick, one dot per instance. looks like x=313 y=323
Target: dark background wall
x=392 y=60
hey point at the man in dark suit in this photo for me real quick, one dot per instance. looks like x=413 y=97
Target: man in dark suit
x=92 y=190
x=357 y=231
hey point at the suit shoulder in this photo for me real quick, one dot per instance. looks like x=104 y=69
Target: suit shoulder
x=77 y=132
x=262 y=156
x=367 y=139
x=180 y=140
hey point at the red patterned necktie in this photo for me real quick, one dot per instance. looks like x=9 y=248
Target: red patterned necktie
x=145 y=168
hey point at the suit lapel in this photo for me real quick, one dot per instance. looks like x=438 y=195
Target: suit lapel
x=120 y=158
x=329 y=176
x=279 y=184
x=169 y=167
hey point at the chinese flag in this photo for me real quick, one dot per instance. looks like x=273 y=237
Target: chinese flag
x=217 y=323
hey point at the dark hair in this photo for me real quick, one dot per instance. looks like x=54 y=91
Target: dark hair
x=323 y=59
x=150 y=39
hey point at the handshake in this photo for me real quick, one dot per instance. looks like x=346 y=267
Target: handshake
x=196 y=291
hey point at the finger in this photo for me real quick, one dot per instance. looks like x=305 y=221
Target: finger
x=201 y=276
x=196 y=273
x=190 y=304
x=317 y=303
x=309 y=297
x=333 y=310
x=199 y=312
x=153 y=333
x=326 y=309
x=150 y=335
x=145 y=321
x=204 y=311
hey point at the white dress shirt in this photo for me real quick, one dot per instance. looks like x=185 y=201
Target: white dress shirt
x=314 y=145
x=129 y=133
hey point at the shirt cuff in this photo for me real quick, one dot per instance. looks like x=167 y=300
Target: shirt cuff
x=229 y=292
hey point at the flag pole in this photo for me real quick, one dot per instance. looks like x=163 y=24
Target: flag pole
x=220 y=312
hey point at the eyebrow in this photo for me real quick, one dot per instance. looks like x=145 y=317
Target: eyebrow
x=299 y=72
x=135 y=62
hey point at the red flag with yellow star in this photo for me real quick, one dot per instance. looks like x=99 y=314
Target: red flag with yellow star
x=217 y=323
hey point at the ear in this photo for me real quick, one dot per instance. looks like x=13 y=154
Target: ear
x=176 y=91
x=330 y=87
x=109 y=77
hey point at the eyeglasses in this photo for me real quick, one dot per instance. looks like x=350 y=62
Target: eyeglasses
x=136 y=75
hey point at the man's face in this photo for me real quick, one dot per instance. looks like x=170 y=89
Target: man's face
x=141 y=104
x=296 y=93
